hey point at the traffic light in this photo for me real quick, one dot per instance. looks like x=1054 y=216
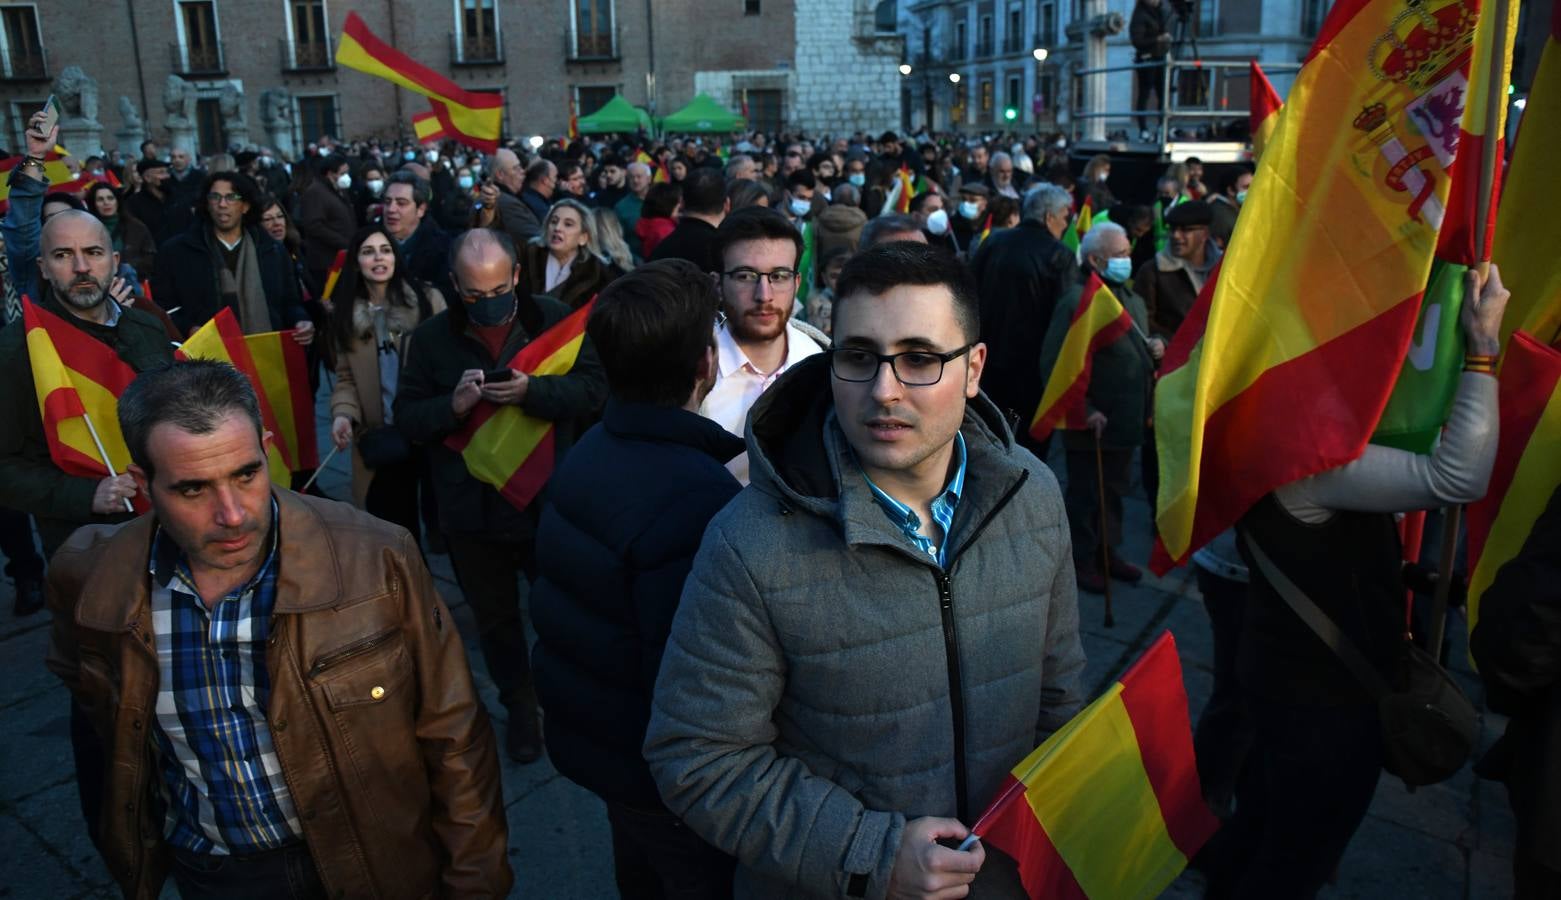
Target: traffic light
x=1010 y=113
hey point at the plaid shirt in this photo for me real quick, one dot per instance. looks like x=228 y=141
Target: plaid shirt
x=943 y=507
x=222 y=781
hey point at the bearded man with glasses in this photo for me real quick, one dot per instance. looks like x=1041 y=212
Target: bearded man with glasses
x=883 y=622
x=757 y=342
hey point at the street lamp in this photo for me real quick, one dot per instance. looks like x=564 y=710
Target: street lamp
x=954 y=77
x=905 y=68
x=1040 y=54
x=535 y=141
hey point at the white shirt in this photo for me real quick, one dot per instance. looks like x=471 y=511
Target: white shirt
x=740 y=384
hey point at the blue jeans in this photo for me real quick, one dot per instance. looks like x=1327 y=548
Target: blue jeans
x=284 y=874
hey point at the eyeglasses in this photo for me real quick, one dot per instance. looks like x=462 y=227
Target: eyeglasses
x=778 y=278
x=215 y=197
x=913 y=368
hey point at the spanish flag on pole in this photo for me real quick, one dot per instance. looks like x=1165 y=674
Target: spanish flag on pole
x=503 y=446
x=903 y=181
x=1286 y=362
x=1263 y=109
x=78 y=381
x=1110 y=805
x=278 y=369
x=334 y=275
x=427 y=127
x=472 y=117
x=1082 y=223
x=1099 y=320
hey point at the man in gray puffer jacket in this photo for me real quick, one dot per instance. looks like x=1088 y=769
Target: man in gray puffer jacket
x=845 y=686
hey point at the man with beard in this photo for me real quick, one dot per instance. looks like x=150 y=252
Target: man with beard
x=758 y=251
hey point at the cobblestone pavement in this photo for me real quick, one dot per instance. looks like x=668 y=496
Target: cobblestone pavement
x=1447 y=842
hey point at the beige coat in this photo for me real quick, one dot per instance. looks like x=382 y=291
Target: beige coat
x=356 y=395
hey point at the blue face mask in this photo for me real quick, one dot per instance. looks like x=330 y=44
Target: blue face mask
x=800 y=207
x=1118 y=269
x=1241 y=197
x=491 y=310
x=409 y=156
x=466 y=182
x=857 y=179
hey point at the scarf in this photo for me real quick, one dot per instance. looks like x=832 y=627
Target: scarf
x=242 y=289
x=115 y=233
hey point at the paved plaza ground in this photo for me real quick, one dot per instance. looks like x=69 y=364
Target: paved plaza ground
x=1452 y=841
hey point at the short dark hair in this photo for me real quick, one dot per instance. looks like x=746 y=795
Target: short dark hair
x=194 y=395
x=651 y=328
x=745 y=192
x=876 y=270
x=704 y=192
x=538 y=170
x=661 y=200
x=803 y=177
x=422 y=194
x=755 y=223
x=886 y=223
x=1229 y=177
x=243 y=185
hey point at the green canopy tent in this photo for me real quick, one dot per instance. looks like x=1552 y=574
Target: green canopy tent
x=704 y=115
x=616 y=115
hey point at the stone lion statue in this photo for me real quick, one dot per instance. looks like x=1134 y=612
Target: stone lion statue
x=231 y=102
x=179 y=101
x=77 y=95
x=128 y=113
x=276 y=108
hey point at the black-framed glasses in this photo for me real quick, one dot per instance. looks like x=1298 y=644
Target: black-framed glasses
x=913 y=368
x=778 y=278
x=215 y=197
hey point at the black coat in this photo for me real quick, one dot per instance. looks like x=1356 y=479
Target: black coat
x=440 y=350
x=427 y=255
x=186 y=278
x=1517 y=644
x=1147 y=24
x=693 y=240
x=623 y=520
x=1022 y=273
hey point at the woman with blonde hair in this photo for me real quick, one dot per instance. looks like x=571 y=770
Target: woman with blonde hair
x=609 y=234
x=566 y=261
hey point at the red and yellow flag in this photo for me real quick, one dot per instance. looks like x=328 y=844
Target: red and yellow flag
x=427 y=127
x=78 y=381
x=1321 y=302
x=1263 y=109
x=1109 y=805
x=53 y=166
x=334 y=275
x=278 y=369
x=574 y=119
x=1099 y=320
x=1082 y=223
x=472 y=117
x=907 y=190
x=503 y=446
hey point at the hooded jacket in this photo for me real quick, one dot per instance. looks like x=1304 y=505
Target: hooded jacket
x=826 y=681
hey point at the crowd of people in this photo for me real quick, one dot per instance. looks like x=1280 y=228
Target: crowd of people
x=802 y=582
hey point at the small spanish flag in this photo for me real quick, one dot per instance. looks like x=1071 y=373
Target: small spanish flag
x=503 y=446
x=334 y=274
x=278 y=369
x=1109 y=805
x=986 y=229
x=427 y=127
x=1082 y=223
x=1099 y=320
x=907 y=190
x=1263 y=109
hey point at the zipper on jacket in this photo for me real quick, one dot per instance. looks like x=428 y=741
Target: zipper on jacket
x=349 y=651
x=956 y=692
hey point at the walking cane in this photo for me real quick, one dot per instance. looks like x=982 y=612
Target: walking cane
x=1105 y=543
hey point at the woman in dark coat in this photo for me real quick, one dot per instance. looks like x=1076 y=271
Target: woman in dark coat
x=565 y=261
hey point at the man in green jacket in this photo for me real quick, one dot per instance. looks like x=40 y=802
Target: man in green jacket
x=883 y=623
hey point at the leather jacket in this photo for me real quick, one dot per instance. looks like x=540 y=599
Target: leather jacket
x=384 y=745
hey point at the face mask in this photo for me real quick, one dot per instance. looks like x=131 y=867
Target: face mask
x=1118 y=269
x=344 y=180
x=1062 y=143
x=375 y=185
x=466 y=182
x=324 y=151
x=938 y=222
x=409 y=156
x=1241 y=197
x=266 y=161
x=492 y=310
x=857 y=179
x=476 y=165
x=969 y=210
x=1102 y=176
x=460 y=161
x=432 y=156
x=800 y=207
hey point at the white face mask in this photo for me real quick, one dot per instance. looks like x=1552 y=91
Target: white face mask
x=1062 y=144
x=432 y=156
x=476 y=165
x=1102 y=176
x=938 y=222
x=375 y=185
x=969 y=210
x=800 y=207
x=344 y=180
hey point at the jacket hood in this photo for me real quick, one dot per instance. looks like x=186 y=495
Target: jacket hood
x=795 y=446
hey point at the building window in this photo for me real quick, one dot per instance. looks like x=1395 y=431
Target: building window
x=1312 y=14
x=316 y=118
x=1011 y=90
x=1048 y=92
x=1013 y=36
x=590 y=98
x=986 y=99
x=479 y=34
x=311 y=38
x=958 y=50
x=202 y=51
x=1046 y=25
x=594 y=34
x=765 y=109
x=984 y=37
x=23 y=43
x=750 y=7
x=21 y=112
x=208 y=126
x=1208 y=18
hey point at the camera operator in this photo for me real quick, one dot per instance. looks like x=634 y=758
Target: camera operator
x=1150 y=32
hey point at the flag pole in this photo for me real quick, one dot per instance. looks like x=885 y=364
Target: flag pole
x=318 y=469
x=1105 y=543
x=103 y=454
x=1495 y=98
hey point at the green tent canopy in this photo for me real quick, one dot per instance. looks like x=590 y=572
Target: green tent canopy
x=703 y=115
x=616 y=115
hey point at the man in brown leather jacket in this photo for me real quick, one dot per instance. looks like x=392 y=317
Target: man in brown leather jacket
x=285 y=700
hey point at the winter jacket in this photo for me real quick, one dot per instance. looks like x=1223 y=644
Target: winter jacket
x=622 y=522
x=588 y=274
x=1145 y=27
x=186 y=278
x=516 y=219
x=826 y=681
x=326 y=221
x=652 y=231
x=1169 y=288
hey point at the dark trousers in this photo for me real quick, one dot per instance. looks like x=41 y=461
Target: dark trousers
x=1531 y=878
x=1149 y=472
x=488 y=572
x=16 y=542
x=1224 y=731
x=87 y=752
x=1303 y=792
x=1082 y=499
x=656 y=857
x=1148 y=82
x=392 y=496
x=284 y=874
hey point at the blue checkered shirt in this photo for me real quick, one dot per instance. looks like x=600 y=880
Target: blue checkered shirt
x=943 y=507
x=222 y=782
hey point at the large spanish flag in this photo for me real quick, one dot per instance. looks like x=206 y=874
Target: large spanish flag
x=1285 y=364
x=1263 y=109
x=1528 y=462
x=78 y=381
x=278 y=369
x=1110 y=805
x=473 y=117
x=1098 y=320
x=503 y=446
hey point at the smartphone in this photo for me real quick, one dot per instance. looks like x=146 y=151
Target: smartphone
x=51 y=115
x=493 y=376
